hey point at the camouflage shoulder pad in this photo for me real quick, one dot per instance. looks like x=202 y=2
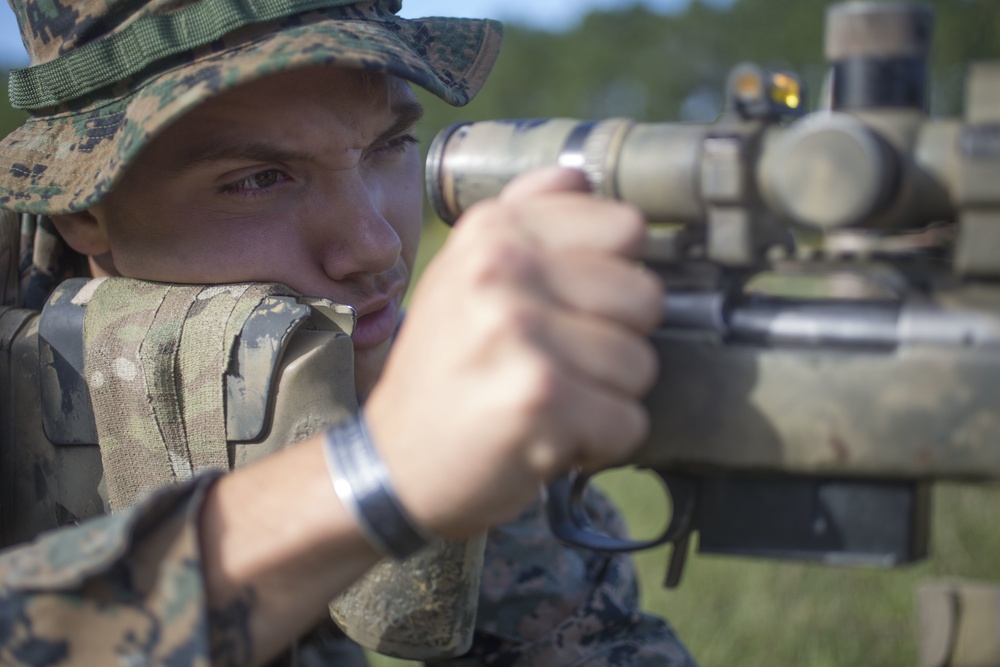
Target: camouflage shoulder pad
x=64 y=559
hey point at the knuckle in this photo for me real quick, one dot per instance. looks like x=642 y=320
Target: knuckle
x=653 y=292
x=501 y=259
x=631 y=420
x=635 y=428
x=505 y=324
x=546 y=458
x=631 y=363
x=539 y=386
x=646 y=301
x=494 y=249
x=485 y=215
x=631 y=225
x=525 y=321
x=488 y=323
x=622 y=427
x=649 y=368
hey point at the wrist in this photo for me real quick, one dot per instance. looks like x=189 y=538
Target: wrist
x=361 y=481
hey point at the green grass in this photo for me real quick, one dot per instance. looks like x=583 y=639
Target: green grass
x=757 y=612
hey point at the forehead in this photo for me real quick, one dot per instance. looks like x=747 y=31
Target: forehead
x=350 y=106
x=327 y=86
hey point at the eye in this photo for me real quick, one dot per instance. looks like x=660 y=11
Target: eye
x=263 y=179
x=397 y=144
x=257 y=183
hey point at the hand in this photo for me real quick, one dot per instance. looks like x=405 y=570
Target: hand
x=524 y=353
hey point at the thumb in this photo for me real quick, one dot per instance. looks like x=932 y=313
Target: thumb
x=543 y=180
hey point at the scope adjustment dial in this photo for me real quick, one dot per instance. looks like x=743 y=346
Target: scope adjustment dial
x=828 y=172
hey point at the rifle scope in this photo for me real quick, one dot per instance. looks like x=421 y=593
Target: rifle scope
x=875 y=162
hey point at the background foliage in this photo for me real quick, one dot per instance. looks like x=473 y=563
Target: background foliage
x=9 y=118
x=667 y=68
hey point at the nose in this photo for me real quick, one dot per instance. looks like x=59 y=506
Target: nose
x=356 y=238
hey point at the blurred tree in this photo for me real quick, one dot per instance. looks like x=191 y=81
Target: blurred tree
x=9 y=118
x=653 y=67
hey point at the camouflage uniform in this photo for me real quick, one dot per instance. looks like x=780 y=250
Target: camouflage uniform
x=122 y=589
x=542 y=603
x=127 y=588
x=73 y=148
x=43 y=260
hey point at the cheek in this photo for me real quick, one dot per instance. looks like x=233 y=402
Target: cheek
x=141 y=241
x=404 y=208
x=172 y=244
x=146 y=231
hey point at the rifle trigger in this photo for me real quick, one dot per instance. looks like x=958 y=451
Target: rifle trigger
x=678 y=557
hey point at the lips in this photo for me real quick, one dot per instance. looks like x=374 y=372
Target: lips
x=376 y=323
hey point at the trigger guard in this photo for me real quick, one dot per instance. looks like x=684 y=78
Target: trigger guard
x=569 y=522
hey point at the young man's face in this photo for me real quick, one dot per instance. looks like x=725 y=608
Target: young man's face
x=309 y=178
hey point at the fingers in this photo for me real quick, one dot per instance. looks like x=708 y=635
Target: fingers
x=599 y=351
x=602 y=286
x=524 y=353
x=545 y=180
x=608 y=425
x=552 y=207
x=590 y=305
x=600 y=370
x=585 y=424
x=580 y=239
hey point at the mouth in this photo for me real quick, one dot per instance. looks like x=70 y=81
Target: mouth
x=376 y=322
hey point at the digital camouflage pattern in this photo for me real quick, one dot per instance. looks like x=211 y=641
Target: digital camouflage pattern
x=66 y=158
x=546 y=604
x=125 y=589
x=10 y=249
x=34 y=260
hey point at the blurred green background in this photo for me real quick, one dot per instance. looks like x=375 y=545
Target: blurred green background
x=656 y=67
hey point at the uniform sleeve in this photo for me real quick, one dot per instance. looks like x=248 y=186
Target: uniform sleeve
x=543 y=603
x=124 y=589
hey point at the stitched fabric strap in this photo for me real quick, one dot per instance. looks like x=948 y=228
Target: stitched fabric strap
x=155 y=356
x=10 y=237
x=150 y=38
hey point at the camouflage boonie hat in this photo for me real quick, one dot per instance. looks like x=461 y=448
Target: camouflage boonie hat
x=107 y=75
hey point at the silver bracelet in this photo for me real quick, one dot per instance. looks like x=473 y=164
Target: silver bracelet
x=362 y=483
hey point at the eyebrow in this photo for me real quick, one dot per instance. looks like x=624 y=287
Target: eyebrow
x=218 y=148
x=405 y=116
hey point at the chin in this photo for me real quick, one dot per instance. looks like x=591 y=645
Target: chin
x=368 y=366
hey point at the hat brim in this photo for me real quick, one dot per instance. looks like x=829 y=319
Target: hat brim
x=68 y=160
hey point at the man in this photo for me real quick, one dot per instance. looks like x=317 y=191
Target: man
x=210 y=145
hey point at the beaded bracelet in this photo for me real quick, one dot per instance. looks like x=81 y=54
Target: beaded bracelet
x=362 y=483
